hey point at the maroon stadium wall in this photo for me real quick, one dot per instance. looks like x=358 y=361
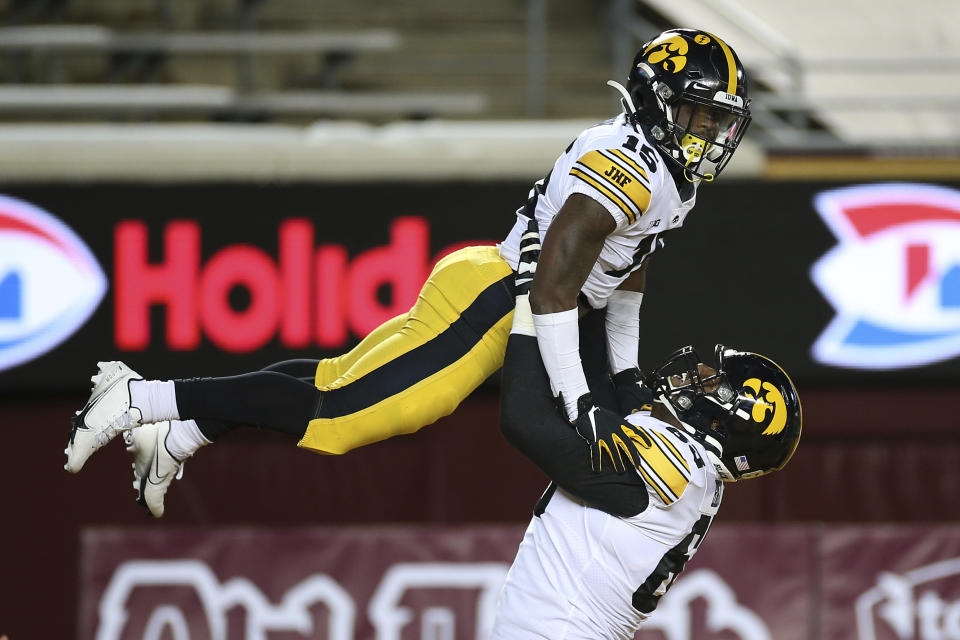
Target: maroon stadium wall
x=209 y=279
x=745 y=583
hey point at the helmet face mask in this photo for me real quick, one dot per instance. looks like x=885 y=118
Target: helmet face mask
x=744 y=408
x=687 y=380
x=691 y=96
x=705 y=134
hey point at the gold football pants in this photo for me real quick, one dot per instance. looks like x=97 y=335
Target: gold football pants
x=418 y=367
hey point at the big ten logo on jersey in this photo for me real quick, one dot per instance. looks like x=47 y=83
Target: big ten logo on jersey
x=183 y=599
x=308 y=295
x=893 y=278
x=922 y=604
x=50 y=282
x=676 y=617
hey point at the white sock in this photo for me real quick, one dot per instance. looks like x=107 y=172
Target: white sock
x=523 y=317
x=156 y=400
x=184 y=438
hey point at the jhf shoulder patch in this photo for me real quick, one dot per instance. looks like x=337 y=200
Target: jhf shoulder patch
x=615 y=175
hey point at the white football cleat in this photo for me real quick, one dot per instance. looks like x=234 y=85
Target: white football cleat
x=153 y=466
x=106 y=413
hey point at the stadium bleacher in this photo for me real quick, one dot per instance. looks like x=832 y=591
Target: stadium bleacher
x=281 y=61
x=817 y=84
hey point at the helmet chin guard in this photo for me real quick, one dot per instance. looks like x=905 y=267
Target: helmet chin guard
x=722 y=472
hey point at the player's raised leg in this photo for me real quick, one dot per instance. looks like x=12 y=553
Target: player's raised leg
x=451 y=341
x=329 y=369
x=280 y=397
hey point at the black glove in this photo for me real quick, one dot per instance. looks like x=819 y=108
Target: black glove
x=612 y=442
x=631 y=392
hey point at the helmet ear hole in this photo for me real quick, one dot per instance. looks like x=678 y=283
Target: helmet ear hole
x=664 y=92
x=725 y=393
x=685 y=401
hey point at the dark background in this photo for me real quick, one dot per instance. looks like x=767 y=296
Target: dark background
x=736 y=273
x=878 y=447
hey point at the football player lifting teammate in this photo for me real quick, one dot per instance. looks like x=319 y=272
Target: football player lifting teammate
x=606 y=205
x=615 y=529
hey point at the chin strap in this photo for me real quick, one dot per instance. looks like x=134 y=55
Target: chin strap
x=707 y=177
x=626 y=101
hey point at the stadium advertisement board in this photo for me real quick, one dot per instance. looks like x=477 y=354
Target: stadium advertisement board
x=841 y=283
x=893 y=278
x=51 y=283
x=404 y=583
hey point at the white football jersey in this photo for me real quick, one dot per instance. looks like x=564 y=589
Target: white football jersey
x=583 y=574
x=614 y=164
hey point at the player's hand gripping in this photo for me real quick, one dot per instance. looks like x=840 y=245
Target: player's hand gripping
x=631 y=392
x=613 y=443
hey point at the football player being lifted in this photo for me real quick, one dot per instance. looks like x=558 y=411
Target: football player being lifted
x=606 y=205
x=614 y=529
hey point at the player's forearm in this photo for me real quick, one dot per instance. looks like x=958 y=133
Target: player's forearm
x=553 y=300
x=570 y=249
x=623 y=329
x=622 y=321
x=558 y=338
x=530 y=422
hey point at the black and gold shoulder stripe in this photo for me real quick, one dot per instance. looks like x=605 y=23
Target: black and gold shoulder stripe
x=662 y=466
x=615 y=175
x=629 y=164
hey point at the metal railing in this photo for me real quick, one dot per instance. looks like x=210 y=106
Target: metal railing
x=787 y=113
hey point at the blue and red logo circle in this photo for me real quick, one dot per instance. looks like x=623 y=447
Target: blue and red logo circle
x=893 y=277
x=50 y=282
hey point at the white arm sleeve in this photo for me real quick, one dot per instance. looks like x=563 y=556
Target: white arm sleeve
x=558 y=335
x=623 y=329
